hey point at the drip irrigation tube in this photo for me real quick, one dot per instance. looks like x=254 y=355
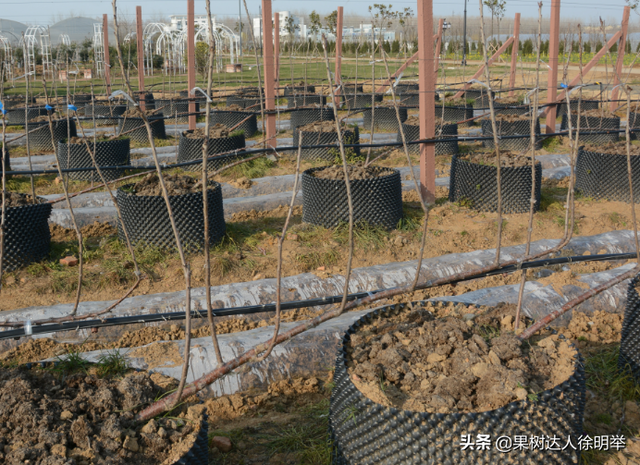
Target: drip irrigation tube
x=248 y=310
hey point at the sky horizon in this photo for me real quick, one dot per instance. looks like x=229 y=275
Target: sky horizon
x=49 y=12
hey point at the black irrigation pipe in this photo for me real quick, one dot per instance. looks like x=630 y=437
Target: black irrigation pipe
x=291 y=148
x=297 y=304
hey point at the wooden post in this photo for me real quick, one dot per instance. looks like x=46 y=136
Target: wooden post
x=191 y=60
x=107 y=63
x=338 y=68
x=140 y=50
x=269 y=90
x=552 y=80
x=427 y=75
x=276 y=49
x=514 y=54
x=620 y=60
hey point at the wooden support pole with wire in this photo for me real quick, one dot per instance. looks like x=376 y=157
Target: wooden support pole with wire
x=514 y=54
x=140 y=49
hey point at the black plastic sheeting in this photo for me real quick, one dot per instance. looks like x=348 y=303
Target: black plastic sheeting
x=27 y=237
x=147 y=220
x=593 y=123
x=384 y=118
x=376 y=200
x=191 y=149
x=511 y=128
x=107 y=153
x=364 y=432
x=445 y=131
x=476 y=186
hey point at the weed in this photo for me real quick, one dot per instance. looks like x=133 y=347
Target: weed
x=464 y=202
x=112 y=363
x=552 y=143
x=252 y=169
x=71 y=362
x=313 y=260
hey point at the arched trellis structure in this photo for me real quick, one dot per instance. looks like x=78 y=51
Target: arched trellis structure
x=98 y=49
x=148 y=35
x=234 y=41
x=31 y=41
x=168 y=46
x=202 y=35
x=7 y=57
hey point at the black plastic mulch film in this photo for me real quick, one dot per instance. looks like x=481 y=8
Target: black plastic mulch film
x=147 y=219
x=446 y=131
x=106 y=115
x=593 y=123
x=107 y=153
x=191 y=149
x=629 y=357
x=368 y=433
x=305 y=100
x=349 y=136
x=476 y=185
x=605 y=176
x=232 y=118
x=511 y=128
x=40 y=139
x=27 y=237
x=377 y=200
x=384 y=118
x=138 y=129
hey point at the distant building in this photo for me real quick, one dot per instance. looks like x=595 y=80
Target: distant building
x=179 y=22
x=300 y=27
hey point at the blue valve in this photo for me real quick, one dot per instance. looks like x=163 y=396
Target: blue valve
x=72 y=107
x=48 y=107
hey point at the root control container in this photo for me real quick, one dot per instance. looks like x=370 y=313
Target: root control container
x=476 y=186
x=40 y=138
x=365 y=432
x=107 y=153
x=305 y=138
x=456 y=114
x=376 y=200
x=629 y=358
x=191 y=149
x=306 y=100
x=511 y=128
x=138 y=131
x=106 y=115
x=445 y=131
x=231 y=118
x=304 y=116
x=593 y=124
x=603 y=176
x=384 y=118
x=147 y=219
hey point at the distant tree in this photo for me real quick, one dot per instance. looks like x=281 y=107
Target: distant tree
x=331 y=21
x=598 y=46
x=586 y=47
x=403 y=21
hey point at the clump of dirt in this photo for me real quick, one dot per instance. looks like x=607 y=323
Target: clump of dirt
x=500 y=117
x=613 y=148
x=415 y=362
x=356 y=172
x=319 y=126
x=14 y=199
x=415 y=121
x=507 y=159
x=83 y=419
x=135 y=112
x=564 y=278
x=601 y=327
x=242 y=183
x=96 y=229
x=176 y=184
x=215 y=132
x=595 y=113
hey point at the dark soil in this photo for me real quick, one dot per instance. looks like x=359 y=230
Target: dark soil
x=176 y=184
x=82 y=419
x=507 y=159
x=356 y=172
x=14 y=199
x=415 y=362
x=619 y=148
x=595 y=113
x=319 y=126
x=215 y=132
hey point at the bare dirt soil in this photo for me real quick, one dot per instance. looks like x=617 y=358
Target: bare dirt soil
x=355 y=172
x=619 y=148
x=175 y=184
x=507 y=159
x=319 y=126
x=215 y=132
x=13 y=199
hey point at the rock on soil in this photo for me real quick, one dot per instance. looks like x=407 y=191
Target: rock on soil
x=13 y=199
x=618 y=148
x=356 y=172
x=50 y=419
x=215 y=132
x=176 y=184
x=507 y=159
x=415 y=362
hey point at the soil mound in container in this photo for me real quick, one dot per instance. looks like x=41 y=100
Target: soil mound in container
x=234 y=107
x=135 y=113
x=509 y=101
x=458 y=102
x=176 y=185
x=44 y=118
x=14 y=199
x=356 y=172
x=415 y=121
x=508 y=118
x=415 y=362
x=82 y=419
x=507 y=159
x=619 y=148
x=597 y=113
x=215 y=132
x=319 y=126
x=81 y=140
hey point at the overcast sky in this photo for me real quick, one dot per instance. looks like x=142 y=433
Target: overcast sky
x=46 y=12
